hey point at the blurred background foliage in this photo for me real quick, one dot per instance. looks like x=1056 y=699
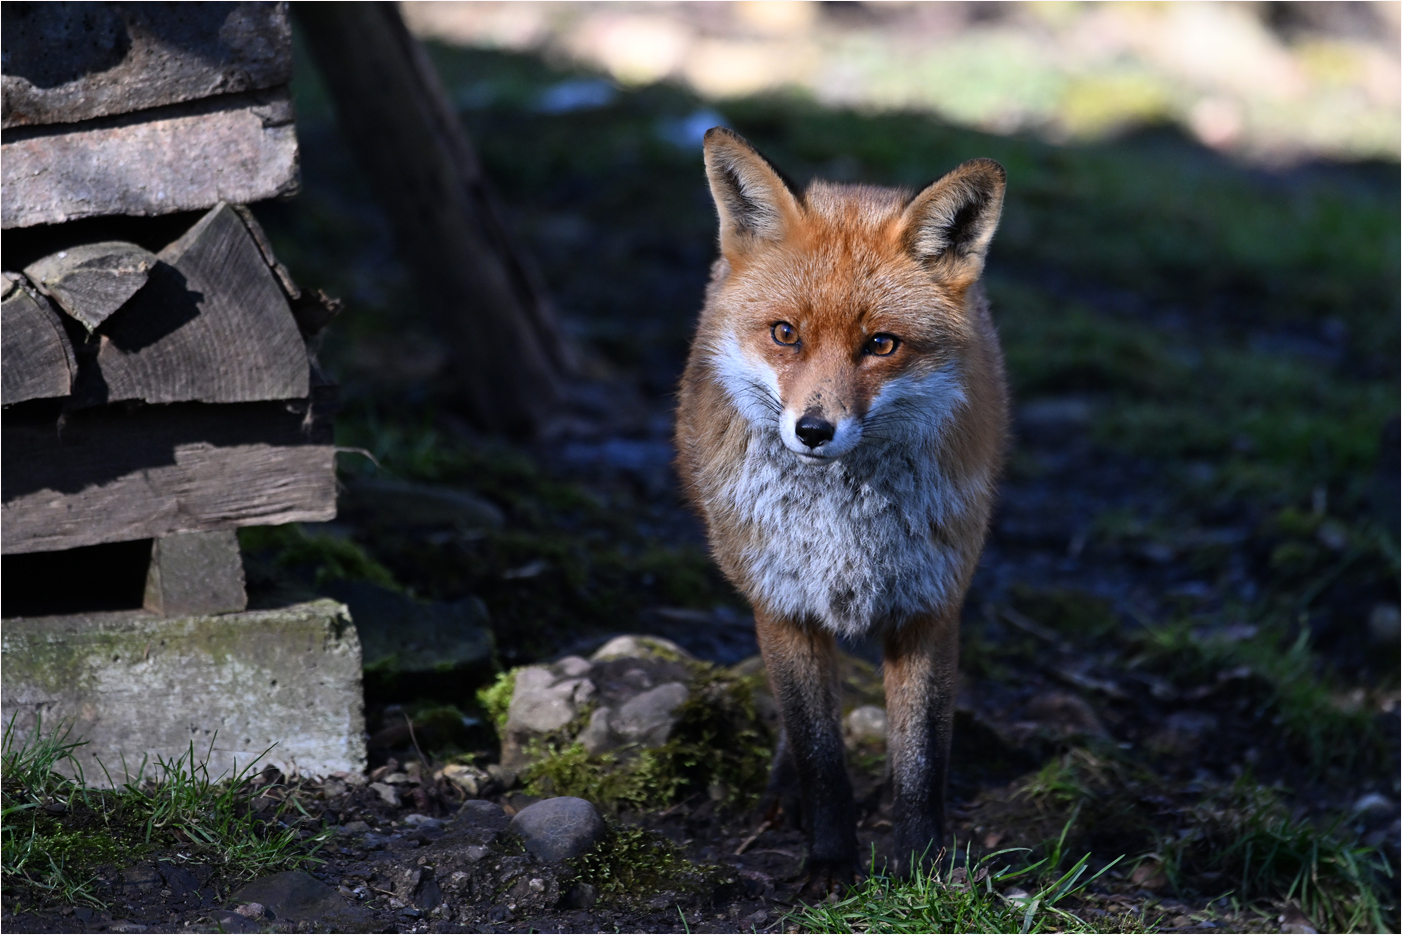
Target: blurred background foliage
x=1221 y=311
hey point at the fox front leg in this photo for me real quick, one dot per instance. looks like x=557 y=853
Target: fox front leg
x=802 y=665
x=922 y=658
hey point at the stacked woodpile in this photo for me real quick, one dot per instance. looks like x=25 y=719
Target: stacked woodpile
x=158 y=388
x=154 y=389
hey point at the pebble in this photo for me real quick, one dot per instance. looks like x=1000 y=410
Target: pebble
x=423 y=821
x=867 y=724
x=386 y=792
x=559 y=828
x=639 y=647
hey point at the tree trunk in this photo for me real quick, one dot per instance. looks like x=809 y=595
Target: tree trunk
x=509 y=357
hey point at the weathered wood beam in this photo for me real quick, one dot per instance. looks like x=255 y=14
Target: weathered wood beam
x=509 y=356
x=111 y=474
x=36 y=359
x=66 y=62
x=196 y=573
x=185 y=157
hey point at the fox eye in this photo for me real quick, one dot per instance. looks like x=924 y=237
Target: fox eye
x=785 y=333
x=882 y=345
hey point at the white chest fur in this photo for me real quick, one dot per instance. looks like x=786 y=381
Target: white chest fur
x=851 y=544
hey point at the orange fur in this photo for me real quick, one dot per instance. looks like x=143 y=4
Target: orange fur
x=877 y=526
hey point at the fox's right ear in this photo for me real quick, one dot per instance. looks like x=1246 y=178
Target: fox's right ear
x=756 y=203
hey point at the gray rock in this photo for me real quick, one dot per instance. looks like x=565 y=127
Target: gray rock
x=634 y=684
x=560 y=828
x=540 y=703
x=572 y=666
x=423 y=821
x=582 y=896
x=867 y=724
x=597 y=737
x=639 y=647
x=406 y=643
x=504 y=777
x=648 y=718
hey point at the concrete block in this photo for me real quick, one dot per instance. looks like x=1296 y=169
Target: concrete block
x=196 y=573
x=134 y=685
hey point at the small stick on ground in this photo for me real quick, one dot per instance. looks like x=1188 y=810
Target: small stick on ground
x=676 y=805
x=417 y=749
x=745 y=844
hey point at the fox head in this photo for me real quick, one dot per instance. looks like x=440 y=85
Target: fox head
x=842 y=313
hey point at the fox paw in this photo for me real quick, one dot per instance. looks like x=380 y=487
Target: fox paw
x=824 y=878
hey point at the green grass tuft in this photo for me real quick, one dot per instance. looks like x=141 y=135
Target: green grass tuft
x=495 y=698
x=29 y=849
x=53 y=852
x=963 y=895
x=1261 y=851
x=1292 y=691
x=1238 y=840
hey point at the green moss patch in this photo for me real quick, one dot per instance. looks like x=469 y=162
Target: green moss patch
x=720 y=747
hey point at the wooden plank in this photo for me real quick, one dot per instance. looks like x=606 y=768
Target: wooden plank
x=107 y=475
x=212 y=325
x=36 y=359
x=196 y=573
x=91 y=281
x=66 y=62
x=187 y=157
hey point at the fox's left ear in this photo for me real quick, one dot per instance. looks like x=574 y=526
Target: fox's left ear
x=948 y=226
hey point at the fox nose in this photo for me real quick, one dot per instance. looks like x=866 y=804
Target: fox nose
x=813 y=431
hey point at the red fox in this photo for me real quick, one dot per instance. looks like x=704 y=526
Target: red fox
x=840 y=430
